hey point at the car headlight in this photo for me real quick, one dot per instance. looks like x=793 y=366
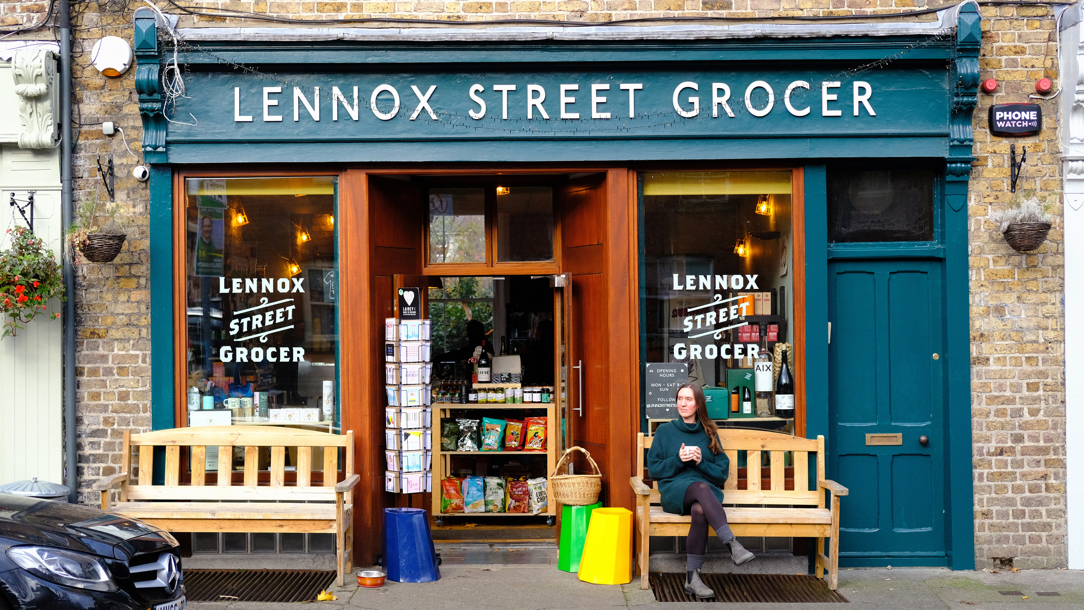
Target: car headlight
x=63 y=567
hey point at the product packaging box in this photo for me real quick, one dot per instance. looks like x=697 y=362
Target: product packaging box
x=742 y=378
x=308 y=414
x=285 y=414
x=718 y=402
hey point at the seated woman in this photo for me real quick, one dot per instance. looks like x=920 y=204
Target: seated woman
x=688 y=462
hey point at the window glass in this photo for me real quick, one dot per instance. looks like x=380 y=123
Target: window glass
x=457 y=225
x=880 y=205
x=262 y=302
x=524 y=223
x=718 y=285
x=452 y=305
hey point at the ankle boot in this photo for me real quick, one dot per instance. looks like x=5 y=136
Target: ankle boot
x=739 y=553
x=695 y=586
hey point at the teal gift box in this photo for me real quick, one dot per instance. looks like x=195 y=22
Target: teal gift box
x=718 y=402
x=742 y=378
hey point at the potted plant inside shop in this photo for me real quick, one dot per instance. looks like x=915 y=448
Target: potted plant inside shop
x=1026 y=224
x=96 y=233
x=30 y=277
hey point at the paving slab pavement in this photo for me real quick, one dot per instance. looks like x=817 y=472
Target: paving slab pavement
x=542 y=587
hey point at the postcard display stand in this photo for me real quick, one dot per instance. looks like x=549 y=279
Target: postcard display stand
x=408 y=416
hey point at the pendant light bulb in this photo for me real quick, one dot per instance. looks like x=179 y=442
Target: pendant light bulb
x=764 y=206
x=240 y=219
x=740 y=248
x=293 y=267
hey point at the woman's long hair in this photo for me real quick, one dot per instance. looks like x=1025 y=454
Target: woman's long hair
x=702 y=416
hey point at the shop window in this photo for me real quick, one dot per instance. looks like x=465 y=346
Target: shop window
x=524 y=223
x=718 y=282
x=457 y=225
x=261 y=298
x=868 y=205
x=453 y=304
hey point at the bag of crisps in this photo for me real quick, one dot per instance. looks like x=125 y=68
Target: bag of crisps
x=473 y=498
x=536 y=434
x=518 y=497
x=451 y=499
x=492 y=434
x=539 y=498
x=513 y=435
x=494 y=494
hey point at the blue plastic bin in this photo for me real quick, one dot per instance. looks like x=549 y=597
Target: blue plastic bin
x=409 y=554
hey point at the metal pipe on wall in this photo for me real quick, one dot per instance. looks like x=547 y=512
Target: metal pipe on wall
x=66 y=147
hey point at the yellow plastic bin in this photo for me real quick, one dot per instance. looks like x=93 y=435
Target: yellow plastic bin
x=607 y=552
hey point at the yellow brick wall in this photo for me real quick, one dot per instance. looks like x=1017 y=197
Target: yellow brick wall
x=1017 y=316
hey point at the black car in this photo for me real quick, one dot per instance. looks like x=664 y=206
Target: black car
x=55 y=555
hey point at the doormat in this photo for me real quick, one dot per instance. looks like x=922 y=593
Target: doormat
x=747 y=588
x=256 y=585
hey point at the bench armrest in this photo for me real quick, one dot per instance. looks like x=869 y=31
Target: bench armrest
x=108 y=482
x=835 y=488
x=347 y=484
x=639 y=488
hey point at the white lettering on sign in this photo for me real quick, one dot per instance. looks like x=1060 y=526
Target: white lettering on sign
x=685 y=100
x=261 y=321
x=1016 y=118
x=719 y=314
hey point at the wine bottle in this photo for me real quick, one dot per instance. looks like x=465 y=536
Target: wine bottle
x=504 y=346
x=784 y=390
x=746 y=401
x=485 y=368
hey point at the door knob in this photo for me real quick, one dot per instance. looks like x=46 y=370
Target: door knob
x=923 y=440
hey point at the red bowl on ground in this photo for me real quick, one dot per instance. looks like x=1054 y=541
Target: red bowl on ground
x=371 y=579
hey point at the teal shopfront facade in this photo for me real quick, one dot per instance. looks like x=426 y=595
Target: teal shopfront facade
x=818 y=116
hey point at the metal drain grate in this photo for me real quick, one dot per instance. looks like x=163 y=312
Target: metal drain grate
x=256 y=585
x=749 y=588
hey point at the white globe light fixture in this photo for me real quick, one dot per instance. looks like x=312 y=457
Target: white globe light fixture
x=112 y=56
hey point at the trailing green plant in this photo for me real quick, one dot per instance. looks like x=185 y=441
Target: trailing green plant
x=1027 y=209
x=30 y=277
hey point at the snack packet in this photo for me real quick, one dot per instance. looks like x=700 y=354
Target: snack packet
x=468 y=435
x=494 y=494
x=449 y=436
x=513 y=435
x=473 y=495
x=451 y=499
x=536 y=434
x=517 y=496
x=492 y=434
x=539 y=497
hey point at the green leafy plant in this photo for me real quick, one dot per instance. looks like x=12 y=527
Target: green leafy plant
x=90 y=220
x=30 y=277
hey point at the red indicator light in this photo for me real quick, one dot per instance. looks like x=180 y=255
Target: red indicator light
x=989 y=85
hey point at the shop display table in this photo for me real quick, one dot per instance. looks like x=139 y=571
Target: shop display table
x=607 y=552
x=755 y=509
x=409 y=554
x=574 y=523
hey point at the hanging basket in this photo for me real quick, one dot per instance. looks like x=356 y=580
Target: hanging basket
x=1026 y=236
x=102 y=247
x=575 y=489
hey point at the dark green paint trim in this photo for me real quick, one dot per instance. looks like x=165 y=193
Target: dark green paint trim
x=900 y=250
x=816 y=302
x=896 y=561
x=161 y=286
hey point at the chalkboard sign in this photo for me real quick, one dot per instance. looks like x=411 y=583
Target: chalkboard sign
x=661 y=382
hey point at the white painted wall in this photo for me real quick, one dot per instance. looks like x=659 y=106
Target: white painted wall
x=1072 y=128
x=31 y=369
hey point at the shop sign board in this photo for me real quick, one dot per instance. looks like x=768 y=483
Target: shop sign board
x=263 y=320
x=1015 y=120
x=410 y=304
x=661 y=382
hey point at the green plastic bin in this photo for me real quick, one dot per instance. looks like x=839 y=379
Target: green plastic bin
x=574 y=522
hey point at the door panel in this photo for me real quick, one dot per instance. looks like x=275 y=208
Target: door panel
x=886 y=327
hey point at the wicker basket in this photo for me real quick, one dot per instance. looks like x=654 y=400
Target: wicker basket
x=1026 y=236
x=102 y=247
x=575 y=489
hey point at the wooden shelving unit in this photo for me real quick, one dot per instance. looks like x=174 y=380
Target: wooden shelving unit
x=442 y=459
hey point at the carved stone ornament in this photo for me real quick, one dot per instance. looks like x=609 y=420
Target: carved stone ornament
x=35 y=76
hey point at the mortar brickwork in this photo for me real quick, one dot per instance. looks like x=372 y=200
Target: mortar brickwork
x=1017 y=319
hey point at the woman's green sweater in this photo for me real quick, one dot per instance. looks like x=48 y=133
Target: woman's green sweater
x=675 y=476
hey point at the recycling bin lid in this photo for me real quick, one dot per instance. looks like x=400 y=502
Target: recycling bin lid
x=36 y=489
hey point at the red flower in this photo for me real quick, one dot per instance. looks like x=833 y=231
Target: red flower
x=37 y=298
x=16 y=278
x=7 y=302
x=19 y=289
x=56 y=315
x=36 y=284
x=22 y=298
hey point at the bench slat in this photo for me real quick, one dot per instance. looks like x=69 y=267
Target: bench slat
x=259 y=526
x=278 y=466
x=226 y=510
x=257 y=436
x=331 y=466
x=768 y=496
x=252 y=466
x=754 y=514
x=173 y=466
x=778 y=474
x=801 y=470
x=304 y=466
x=126 y=464
x=189 y=493
x=199 y=465
x=225 y=465
x=758 y=440
x=752 y=470
x=732 y=479
x=146 y=465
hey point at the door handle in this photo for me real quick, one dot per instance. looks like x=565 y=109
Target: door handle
x=923 y=440
x=579 y=387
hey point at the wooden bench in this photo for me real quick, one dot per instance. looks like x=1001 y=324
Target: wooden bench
x=215 y=502
x=785 y=507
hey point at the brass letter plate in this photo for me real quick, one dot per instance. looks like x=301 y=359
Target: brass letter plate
x=884 y=439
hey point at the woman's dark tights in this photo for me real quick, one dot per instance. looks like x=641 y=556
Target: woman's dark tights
x=705 y=510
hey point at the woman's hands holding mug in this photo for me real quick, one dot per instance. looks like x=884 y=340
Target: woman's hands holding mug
x=690 y=454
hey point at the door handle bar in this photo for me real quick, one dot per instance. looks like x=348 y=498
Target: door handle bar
x=579 y=409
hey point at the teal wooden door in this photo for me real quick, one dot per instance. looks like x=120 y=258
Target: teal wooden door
x=886 y=379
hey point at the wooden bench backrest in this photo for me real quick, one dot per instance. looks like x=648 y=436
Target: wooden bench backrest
x=753 y=442
x=141 y=487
